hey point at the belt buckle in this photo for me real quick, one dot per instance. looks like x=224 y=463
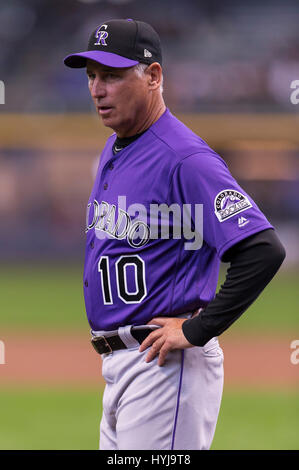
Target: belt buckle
x=95 y=339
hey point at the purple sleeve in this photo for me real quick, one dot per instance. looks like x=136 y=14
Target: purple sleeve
x=229 y=213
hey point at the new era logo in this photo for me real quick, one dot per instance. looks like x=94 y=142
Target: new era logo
x=147 y=53
x=242 y=221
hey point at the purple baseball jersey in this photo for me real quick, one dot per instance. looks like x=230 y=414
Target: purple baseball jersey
x=134 y=270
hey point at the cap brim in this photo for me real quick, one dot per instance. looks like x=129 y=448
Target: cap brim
x=105 y=58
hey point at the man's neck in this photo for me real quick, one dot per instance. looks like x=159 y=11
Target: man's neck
x=148 y=122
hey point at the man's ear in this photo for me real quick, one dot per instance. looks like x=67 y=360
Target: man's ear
x=154 y=72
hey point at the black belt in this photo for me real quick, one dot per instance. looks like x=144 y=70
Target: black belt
x=107 y=344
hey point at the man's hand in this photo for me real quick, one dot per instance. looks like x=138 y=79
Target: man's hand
x=170 y=336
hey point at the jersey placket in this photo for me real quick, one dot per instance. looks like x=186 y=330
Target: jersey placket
x=106 y=175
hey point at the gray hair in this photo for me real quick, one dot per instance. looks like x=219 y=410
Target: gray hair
x=140 y=70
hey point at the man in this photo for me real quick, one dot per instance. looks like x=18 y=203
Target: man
x=150 y=294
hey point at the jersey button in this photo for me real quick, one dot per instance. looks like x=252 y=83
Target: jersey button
x=111 y=166
x=105 y=185
x=86 y=283
x=92 y=244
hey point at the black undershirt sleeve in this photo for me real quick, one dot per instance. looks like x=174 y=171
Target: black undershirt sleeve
x=253 y=263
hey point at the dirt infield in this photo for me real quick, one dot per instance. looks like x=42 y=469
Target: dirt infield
x=56 y=359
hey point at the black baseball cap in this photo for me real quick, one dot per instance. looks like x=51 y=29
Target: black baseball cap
x=120 y=43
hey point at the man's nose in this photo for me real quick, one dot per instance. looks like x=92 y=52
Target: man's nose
x=98 y=89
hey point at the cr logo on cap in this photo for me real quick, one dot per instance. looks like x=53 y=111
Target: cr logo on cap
x=101 y=36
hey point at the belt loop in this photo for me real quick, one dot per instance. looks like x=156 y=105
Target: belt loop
x=126 y=336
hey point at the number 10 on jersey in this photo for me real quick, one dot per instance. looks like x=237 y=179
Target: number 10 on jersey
x=121 y=274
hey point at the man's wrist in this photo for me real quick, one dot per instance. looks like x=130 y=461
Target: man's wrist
x=194 y=332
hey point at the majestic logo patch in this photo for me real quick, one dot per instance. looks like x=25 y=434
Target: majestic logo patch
x=229 y=203
x=101 y=35
x=242 y=221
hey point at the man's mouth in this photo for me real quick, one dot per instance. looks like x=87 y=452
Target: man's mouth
x=104 y=109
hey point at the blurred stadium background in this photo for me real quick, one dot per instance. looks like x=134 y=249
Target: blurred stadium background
x=228 y=70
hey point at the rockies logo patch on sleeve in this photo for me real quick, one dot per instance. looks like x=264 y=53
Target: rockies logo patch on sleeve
x=229 y=203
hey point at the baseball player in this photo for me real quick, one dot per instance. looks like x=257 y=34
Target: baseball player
x=163 y=212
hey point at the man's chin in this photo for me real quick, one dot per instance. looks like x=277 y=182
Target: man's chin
x=106 y=120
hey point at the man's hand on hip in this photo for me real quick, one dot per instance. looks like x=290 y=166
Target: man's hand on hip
x=162 y=340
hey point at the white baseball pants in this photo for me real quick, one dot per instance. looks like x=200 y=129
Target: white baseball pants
x=172 y=407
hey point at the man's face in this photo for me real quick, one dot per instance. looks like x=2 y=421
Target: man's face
x=120 y=95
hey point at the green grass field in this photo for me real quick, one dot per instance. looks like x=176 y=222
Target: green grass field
x=258 y=420
x=51 y=297
x=49 y=419
x=69 y=419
